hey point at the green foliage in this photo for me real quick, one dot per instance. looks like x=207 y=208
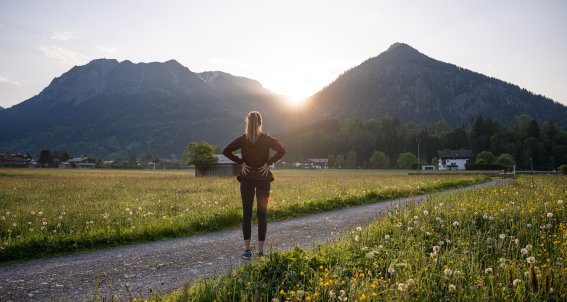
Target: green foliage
x=379 y=160
x=202 y=155
x=548 y=149
x=506 y=161
x=350 y=160
x=406 y=160
x=485 y=157
x=563 y=169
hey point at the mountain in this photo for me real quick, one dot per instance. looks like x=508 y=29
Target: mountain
x=1 y=108
x=406 y=84
x=107 y=107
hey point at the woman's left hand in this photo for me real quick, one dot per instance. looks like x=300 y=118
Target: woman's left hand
x=264 y=169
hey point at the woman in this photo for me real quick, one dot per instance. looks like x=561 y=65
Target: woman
x=255 y=176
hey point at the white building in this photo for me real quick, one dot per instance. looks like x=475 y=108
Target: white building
x=454 y=159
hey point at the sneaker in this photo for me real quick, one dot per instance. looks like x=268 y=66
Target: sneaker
x=247 y=255
x=260 y=254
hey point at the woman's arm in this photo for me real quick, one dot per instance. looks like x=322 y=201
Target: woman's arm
x=229 y=151
x=280 y=151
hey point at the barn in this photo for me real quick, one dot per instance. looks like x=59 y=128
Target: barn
x=223 y=167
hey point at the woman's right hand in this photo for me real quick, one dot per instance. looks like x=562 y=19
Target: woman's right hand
x=244 y=168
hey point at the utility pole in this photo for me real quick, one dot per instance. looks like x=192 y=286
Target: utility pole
x=418 y=161
x=532 y=168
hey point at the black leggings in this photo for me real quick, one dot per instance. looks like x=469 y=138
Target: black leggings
x=262 y=191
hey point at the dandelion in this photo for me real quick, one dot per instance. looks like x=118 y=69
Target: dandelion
x=359 y=229
x=415 y=217
x=40 y=213
x=14 y=224
x=529 y=247
x=456 y=224
x=485 y=216
x=44 y=223
x=560 y=201
x=529 y=225
x=447 y=272
x=369 y=255
x=452 y=287
x=399 y=224
x=531 y=260
x=300 y=293
x=402 y=287
x=549 y=215
x=387 y=237
x=356 y=238
x=130 y=213
x=436 y=248
x=516 y=282
x=425 y=212
x=524 y=251
x=489 y=271
x=391 y=269
x=332 y=294
x=411 y=281
x=502 y=236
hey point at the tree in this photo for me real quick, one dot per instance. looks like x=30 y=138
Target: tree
x=406 y=160
x=131 y=158
x=332 y=161
x=45 y=158
x=506 y=161
x=202 y=155
x=64 y=156
x=339 y=161
x=350 y=160
x=379 y=160
x=485 y=157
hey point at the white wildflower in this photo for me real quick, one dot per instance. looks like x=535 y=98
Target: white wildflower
x=456 y=223
x=531 y=260
x=502 y=236
x=549 y=215
x=516 y=282
x=447 y=272
x=452 y=287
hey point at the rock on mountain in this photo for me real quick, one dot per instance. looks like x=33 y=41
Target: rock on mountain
x=107 y=107
x=408 y=85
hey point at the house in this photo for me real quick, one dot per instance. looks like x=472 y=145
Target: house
x=313 y=163
x=223 y=167
x=427 y=167
x=78 y=162
x=454 y=159
x=15 y=160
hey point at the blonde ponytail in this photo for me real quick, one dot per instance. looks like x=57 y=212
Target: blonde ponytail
x=253 y=126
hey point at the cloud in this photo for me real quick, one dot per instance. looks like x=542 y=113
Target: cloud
x=64 y=56
x=4 y=80
x=63 y=36
x=106 y=49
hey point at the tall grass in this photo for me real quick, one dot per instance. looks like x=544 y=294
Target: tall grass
x=498 y=244
x=47 y=212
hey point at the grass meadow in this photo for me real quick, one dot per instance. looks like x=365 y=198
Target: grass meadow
x=502 y=243
x=46 y=212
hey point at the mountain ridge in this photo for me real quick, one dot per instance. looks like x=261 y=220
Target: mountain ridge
x=107 y=107
x=406 y=84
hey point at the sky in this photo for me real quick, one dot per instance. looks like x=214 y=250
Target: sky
x=293 y=48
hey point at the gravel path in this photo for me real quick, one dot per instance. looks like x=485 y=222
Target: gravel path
x=164 y=266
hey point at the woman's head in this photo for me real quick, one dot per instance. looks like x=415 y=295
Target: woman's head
x=253 y=126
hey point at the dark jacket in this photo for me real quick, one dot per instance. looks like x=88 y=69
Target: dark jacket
x=255 y=155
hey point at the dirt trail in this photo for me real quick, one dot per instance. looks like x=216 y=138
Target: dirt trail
x=164 y=266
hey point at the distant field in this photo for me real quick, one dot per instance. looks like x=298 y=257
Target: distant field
x=49 y=211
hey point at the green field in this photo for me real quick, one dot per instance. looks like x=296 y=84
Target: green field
x=503 y=243
x=49 y=211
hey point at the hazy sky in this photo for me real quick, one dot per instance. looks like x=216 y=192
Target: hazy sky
x=293 y=48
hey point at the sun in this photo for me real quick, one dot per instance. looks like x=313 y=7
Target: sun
x=295 y=101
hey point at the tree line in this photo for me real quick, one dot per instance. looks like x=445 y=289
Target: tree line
x=389 y=143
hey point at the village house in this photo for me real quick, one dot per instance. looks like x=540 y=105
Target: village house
x=223 y=167
x=78 y=162
x=15 y=160
x=454 y=159
x=313 y=163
